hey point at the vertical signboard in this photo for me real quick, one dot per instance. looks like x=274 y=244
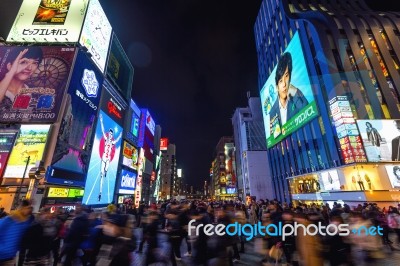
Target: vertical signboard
x=72 y=153
x=163 y=144
x=346 y=129
x=133 y=123
x=138 y=191
x=33 y=81
x=48 y=21
x=96 y=34
x=103 y=166
x=30 y=142
x=6 y=143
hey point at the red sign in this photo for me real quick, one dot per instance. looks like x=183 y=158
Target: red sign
x=163 y=144
x=113 y=109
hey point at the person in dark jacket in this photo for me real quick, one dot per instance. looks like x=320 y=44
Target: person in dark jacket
x=76 y=234
x=12 y=229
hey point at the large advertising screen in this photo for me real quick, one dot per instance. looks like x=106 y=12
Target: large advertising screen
x=72 y=153
x=96 y=34
x=381 y=139
x=103 y=166
x=30 y=142
x=133 y=123
x=48 y=21
x=32 y=82
x=287 y=96
x=130 y=156
x=393 y=172
x=119 y=68
x=128 y=182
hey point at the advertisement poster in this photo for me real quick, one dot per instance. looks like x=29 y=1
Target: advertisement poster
x=48 y=21
x=119 y=68
x=128 y=182
x=30 y=142
x=381 y=139
x=101 y=177
x=330 y=180
x=51 y=12
x=72 y=152
x=96 y=34
x=130 y=156
x=6 y=143
x=393 y=172
x=287 y=97
x=33 y=81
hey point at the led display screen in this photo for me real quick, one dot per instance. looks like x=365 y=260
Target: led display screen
x=127 y=182
x=35 y=78
x=48 y=21
x=287 y=97
x=96 y=34
x=100 y=181
x=119 y=68
x=381 y=139
x=72 y=152
x=30 y=142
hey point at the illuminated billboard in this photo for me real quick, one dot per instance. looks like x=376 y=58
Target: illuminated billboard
x=48 y=21
x=130 y=156
x=287 y=97
x=30 y=142
x=150 y=124
x=127 y=182
x=119 y=68
x=103 y=166
x=393 y=172
x=72 y=152
x=163 y=144
x=34 y=79
x=96 y=34
x=133 y=123
x=58 y=192
x=381 y=139
x=6 y=143
x=329 y=179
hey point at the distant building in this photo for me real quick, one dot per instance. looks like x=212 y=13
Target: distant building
x=252 y=168
x=168 y=172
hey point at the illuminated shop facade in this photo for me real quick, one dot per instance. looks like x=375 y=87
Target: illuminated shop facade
x=339 y=139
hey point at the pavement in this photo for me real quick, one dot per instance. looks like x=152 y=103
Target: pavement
x=250 y=257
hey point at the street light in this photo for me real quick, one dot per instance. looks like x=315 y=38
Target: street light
x=16 y=201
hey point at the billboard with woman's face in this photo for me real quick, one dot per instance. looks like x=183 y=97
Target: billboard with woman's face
x=32 y=82
x=287 y=97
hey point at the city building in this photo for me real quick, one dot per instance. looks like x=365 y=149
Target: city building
x=224 y=183
x=168 y=172
x=252 y=168
x=330 y=133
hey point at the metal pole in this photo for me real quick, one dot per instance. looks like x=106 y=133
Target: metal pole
x=23 y=179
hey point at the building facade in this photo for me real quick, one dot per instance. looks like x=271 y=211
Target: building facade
x=330 y=144
x=252 y=168
x=168 y=172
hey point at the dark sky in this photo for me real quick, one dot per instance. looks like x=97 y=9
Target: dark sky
x=194 y=62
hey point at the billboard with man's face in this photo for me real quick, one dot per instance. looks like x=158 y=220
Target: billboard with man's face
x=287 y=97
x=32 y=82
x=381 y=139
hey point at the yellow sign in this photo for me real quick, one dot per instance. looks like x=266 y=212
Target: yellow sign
x=58 y=192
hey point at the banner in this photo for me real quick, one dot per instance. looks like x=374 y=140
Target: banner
x=287 y=96
x=48 y=21
x=34 y=79
x=30 y=143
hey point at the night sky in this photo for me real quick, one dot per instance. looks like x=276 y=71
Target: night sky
x=194 y=62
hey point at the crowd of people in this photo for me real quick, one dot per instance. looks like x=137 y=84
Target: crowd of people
x=78 y=237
